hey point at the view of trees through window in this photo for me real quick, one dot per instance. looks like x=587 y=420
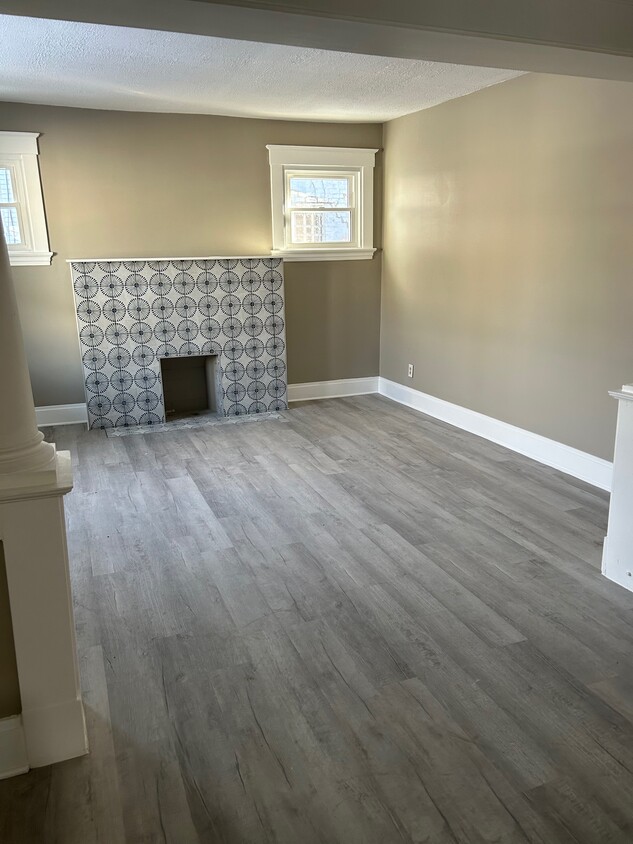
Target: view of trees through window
x=8 y=209
x=327 y=217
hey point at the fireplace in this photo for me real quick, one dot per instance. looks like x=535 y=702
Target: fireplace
x=135 y=315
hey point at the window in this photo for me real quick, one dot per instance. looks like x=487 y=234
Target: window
x=21 y=204
x=322 y=202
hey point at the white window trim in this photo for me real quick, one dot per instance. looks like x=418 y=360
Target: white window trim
x=283 y=158
x=20 y=149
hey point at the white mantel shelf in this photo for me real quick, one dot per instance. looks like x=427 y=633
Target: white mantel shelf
x=288 y=255
x=249 y=257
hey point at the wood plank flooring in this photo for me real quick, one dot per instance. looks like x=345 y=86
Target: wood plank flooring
x=353 y=624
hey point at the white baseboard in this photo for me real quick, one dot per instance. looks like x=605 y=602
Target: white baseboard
x=55 y=733
x=61 y=414
x=333 y=389
x=579 y=464
x=570 y=460
x=13 y=758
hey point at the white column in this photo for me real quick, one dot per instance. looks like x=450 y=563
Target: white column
x=23 y=452
x=617 y=555
x=33 y=481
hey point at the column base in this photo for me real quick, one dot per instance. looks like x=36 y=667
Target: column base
x=13 y=758
x=33 y=535
x=34 y=465
x=57 y=479
x=614 y=569
x=55 y=733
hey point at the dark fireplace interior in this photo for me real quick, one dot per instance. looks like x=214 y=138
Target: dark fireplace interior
x=190 y=385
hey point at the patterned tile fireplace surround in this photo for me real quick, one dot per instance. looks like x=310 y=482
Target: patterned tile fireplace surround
x=132 y=313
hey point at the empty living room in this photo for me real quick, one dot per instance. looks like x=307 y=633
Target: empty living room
x=316 y=422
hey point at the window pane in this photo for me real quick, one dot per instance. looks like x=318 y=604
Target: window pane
x=6 y=185
x=309 y=192
x=11 y=226
x=321 y=226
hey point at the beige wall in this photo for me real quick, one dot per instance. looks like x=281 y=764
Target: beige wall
x=509 y=253
x=121 y=184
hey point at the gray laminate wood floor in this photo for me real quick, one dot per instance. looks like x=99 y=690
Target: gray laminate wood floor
x=351 y=624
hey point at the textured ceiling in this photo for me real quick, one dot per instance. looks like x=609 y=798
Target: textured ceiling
x=93 y=66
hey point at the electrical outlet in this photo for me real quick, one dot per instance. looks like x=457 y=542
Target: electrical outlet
x=410 y=371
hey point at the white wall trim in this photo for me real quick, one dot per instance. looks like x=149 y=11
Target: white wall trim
x=332 y=389
x=61 y=414
x=302 y=255
x=302 y=156
x=55 y=733
x=356 y=163
x=593 y=470
x=13 y=758
x=18 y=143
x=19 y=152
x=31 y=259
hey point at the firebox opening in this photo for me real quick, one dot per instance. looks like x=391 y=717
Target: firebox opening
x=190 y=385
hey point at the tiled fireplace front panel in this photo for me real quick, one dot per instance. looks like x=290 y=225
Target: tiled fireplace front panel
x=130 y=314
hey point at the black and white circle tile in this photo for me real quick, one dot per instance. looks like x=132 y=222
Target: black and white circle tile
x=130 y=314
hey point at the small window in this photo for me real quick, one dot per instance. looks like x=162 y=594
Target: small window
x=322 y=202
x=21 y=203
x=10 y=207
x=320 y=208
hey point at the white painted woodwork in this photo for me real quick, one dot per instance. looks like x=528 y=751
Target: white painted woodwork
x=32 y=529
x=19 y=151
x=339 y=388
x=13 y=758
x=62 y=414
x=304 y=255
x=587 y=467
x=617 y=557
x=33 y=481
x=361 y=162
x=24 y=457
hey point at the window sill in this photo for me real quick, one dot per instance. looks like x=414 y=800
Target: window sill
x=30 y=259
x=324 y=254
